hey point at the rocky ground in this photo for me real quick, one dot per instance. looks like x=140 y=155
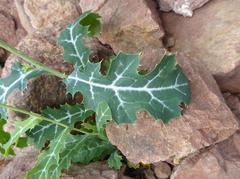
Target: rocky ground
x=204 y=143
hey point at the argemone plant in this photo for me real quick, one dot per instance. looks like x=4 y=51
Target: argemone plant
x=115 y=96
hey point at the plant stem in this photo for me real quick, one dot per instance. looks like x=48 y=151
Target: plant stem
x=43 y=118
x=30 y=60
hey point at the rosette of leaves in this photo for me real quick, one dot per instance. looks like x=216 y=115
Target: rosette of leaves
x=69 y=133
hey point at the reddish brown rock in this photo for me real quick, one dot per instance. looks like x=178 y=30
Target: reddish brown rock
x=18 y=166
x=11 y=30
x=214 y=42
x=129 y=26
x=219 y=162
x=162 y=170
x=207 y=120
x=97 y=170
x=183 y=7
x=47 y=16
x=234 y=103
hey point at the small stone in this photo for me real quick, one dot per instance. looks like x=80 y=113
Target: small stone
x=183 y=7
x=149 y=174
x=162 y=170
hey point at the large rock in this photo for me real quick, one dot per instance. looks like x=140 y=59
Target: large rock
x=48 y=16
x=215 y=41
x=183 y=7
x=207 y=120
x=220 y=162
x=129 y=26
x=11 y=30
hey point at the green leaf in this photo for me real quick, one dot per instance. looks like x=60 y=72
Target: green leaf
x=16 y=80
x=72 y=38
x=115 y=160
x=48 y=159
x=82 y=149
x=159 y=92
x=4 y=136
x=103 y=117
x=66 y=114
x=92 y=21
x=20 y=129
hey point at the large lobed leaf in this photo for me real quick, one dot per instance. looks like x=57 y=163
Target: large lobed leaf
x=159 y=92
x=16 y=80
x=66 y=114
x=72 y=38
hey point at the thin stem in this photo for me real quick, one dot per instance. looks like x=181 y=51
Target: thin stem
x=43 y=118
x=30 y=60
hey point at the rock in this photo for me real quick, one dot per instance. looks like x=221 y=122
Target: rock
x=233 y=103
x=183 y=7
x=219 y=162
x=207 y=120
x=48 y=16
x=149 y=174
x=162 y=170
x=214 y=42
x=18 y=166
x=11 y=30
x=124 y=30
x=229 y=82
x=98 y=170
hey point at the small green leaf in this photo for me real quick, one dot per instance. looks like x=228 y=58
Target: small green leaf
x=49 y=159
x=22 y=142
x=4 y=136
x=72 y=38
x=82 y=149
x=92 y=21
x=126 y=92
x=115 y=161
x=103 y=117
x=20 y=129
x=66 y=114
x=16 y=80
x=133 y=165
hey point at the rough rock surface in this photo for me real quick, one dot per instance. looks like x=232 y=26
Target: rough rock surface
x=205 y=121
x=183 y=7
x=17 y=166
x=220 y=162
x=97 y=170
x=233 y=103
x=48 y=16
x=214 y=42
x=11 y=30
x=129 y=26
